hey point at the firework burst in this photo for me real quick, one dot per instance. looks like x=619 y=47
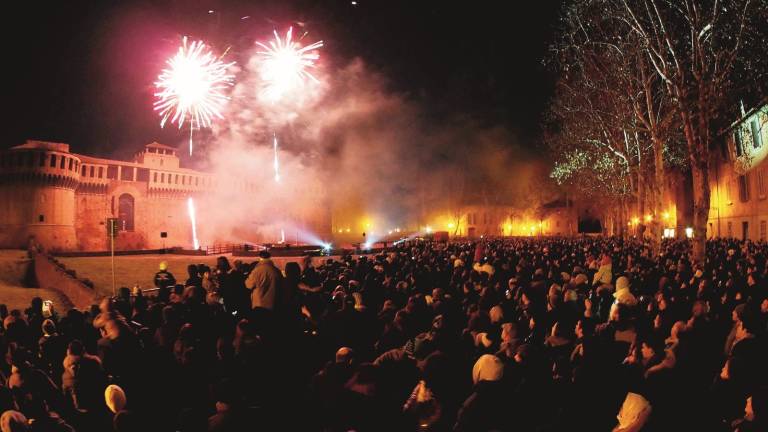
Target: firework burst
x=286 y=65
x=191 y=88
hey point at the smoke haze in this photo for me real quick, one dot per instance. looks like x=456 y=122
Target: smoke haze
x=348 y=149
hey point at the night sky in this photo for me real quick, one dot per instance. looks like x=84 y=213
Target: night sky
x=82 y=72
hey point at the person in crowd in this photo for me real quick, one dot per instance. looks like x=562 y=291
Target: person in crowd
x=546 y=334
x=265 y=283
x=164 y=278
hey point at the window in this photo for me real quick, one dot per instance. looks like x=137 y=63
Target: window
x=42 y=159
x=162 y=177
x=41 y=218
x=183 y=179
x=126 y=173
x=53 y=161
x=101 y=172
x=125 y=212
x=71 y=164
x=729 y=230
x=197 y=181
x=737 y=142
x=757 y=139
x=93 y=170
x=112 y=172
x=743 y=188
x=177 y=179
x=154 y=177
x=763 y=229
x=83 y=169
x=63 y=162
x=761 y=183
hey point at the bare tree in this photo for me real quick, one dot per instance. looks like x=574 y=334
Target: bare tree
x=703 y=51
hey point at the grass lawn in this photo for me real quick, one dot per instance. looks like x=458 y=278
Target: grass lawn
x=13 y=264
x=141 y=269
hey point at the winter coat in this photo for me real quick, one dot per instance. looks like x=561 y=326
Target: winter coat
x=265 y=281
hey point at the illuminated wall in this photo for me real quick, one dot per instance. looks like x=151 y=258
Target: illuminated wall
x=739 y=181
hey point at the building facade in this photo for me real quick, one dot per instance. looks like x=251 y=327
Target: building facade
x=62 y=200
x=739 y=208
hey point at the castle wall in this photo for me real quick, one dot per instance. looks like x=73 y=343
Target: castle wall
x=63 y=200
x=37 y=189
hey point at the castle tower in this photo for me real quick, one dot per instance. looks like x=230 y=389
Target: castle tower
x=37 y=195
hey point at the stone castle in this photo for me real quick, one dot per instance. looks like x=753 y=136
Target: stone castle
x=62 y=200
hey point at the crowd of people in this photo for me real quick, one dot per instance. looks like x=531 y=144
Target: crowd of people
x=517 y=334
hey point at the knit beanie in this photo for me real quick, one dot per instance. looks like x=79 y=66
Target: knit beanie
x=115 y=398
x=487 y=368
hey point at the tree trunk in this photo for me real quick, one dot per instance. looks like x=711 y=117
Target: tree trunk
x=697 y=151
x=701 y=195
x=658 y=195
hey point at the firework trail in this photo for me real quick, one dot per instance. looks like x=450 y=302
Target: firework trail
x=276 y=163
x=193 y=221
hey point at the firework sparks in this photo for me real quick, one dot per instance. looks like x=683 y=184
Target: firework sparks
x=193 y=221
x=191 y=88
x=286 y=64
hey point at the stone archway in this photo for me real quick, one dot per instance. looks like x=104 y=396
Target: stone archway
x=125 y=212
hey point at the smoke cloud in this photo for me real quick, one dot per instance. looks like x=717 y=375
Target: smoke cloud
x=351 y=150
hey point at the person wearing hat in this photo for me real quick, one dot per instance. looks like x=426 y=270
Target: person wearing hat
x=164 y=278
x=623 y=294
x=114 y=397
x=488 y=407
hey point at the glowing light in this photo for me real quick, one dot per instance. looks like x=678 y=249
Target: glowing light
x=286 y=64
x=635 y=220
x=341 y=230
x=428 y=229
x=327 y=246
x=451 y=225
x=389 y=232
x=397 y=230
x=191 y=87
x=669 y=232
x=648 y=218
x=276 y=163
x=282 y=236
x=665 y=215
x=349 y=230
x=193 y=221
x=689 y=232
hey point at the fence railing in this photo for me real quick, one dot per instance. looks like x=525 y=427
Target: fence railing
x=225 y=248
